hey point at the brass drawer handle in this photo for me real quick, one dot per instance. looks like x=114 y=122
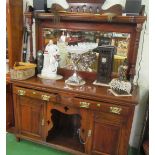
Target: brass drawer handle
x=84 y=105
x=45 y=97
x=33 y=92
x=98 y=105
x=115 y=110
x=21 y=92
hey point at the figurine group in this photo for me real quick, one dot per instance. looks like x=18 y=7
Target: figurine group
x=51 y=57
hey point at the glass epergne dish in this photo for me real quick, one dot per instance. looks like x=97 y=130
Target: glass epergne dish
x=76 y=53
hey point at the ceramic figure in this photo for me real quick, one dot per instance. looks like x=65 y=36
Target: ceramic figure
x=50 y=65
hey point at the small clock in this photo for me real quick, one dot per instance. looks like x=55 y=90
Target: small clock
x=105 y=63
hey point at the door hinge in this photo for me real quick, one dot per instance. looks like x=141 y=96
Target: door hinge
x=89 y=133
x=43 y=122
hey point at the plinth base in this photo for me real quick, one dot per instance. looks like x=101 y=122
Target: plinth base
x=75 y=80
x=57 y=77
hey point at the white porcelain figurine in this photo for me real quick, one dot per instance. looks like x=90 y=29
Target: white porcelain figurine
x=62 y=3
x=50 y=65
x=109 y=3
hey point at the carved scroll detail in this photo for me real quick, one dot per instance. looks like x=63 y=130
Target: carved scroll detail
x=139 y=27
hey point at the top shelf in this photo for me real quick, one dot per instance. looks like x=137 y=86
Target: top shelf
x=88 y=17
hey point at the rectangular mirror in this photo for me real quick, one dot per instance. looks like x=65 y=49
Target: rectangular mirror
x=64 y=37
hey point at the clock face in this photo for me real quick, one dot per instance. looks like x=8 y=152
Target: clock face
x=104 y=60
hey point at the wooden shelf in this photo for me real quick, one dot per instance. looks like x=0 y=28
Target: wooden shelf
x=69 y=142
x=88 y=17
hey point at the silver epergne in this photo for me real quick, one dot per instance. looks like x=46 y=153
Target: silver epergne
x=76 y=54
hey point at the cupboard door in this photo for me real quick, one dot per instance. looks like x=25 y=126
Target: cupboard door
x=106 y=137
x=30 y=117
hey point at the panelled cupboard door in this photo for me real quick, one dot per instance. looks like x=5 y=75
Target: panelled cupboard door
x=106 y=136
x=30 y=117
x=106 y=139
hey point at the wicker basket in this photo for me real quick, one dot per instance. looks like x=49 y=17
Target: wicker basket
x=22 y=71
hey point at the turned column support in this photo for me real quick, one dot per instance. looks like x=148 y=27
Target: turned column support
x=138 y=30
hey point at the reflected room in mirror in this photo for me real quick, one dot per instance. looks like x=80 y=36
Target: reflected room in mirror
x=87 y=61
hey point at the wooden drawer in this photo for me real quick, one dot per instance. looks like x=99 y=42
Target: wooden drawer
x=66 y=99
x=35 y=94
x=108 y=118
x=101 y=106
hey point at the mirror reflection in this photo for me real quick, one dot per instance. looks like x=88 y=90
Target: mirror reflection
x=68 y=40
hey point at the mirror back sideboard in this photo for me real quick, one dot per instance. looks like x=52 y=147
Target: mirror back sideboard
x=91 y=22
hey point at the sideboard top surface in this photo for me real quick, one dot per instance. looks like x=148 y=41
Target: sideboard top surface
x=87 y=91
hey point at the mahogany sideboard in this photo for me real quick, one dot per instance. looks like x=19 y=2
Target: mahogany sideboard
x=79 y=120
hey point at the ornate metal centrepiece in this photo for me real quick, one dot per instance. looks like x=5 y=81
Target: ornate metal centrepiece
x=80 y=54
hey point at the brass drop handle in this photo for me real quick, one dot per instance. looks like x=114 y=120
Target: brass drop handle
x=88 y=135
x=115 y=110
x=45 y=97
x=33 y=92
x=21 y=92
x=98 y=105
x=84 y=105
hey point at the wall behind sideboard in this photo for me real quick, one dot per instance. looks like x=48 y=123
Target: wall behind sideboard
x=142 y=66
